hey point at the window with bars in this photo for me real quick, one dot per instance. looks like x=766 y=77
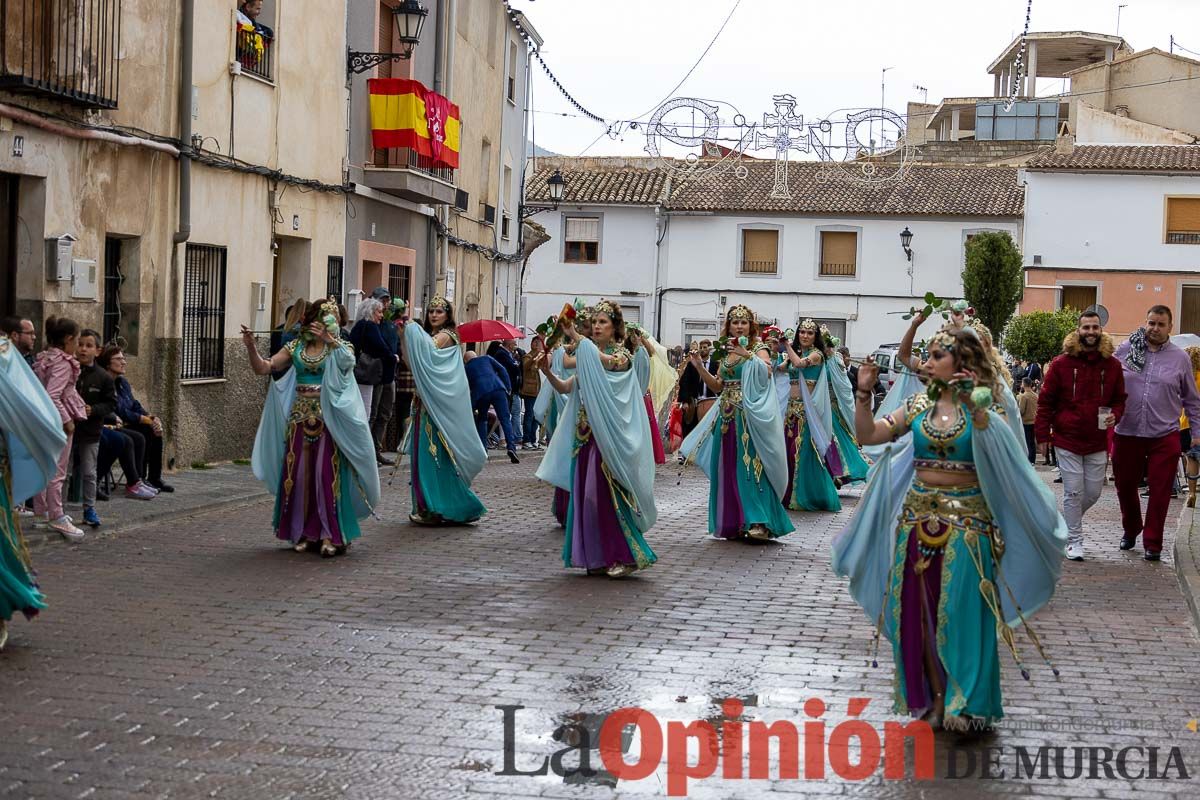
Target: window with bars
x=202 y=349
x=334 y=278
x=839 y=254
x=399 y=280
x=581 y=240
x=760 y=252
x=505 y=223
x=1183 y=220
x=112 y=289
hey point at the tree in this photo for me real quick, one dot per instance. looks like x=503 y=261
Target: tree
x=992 y=278
x=1038 y=336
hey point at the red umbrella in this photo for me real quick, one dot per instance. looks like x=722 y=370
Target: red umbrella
x=488 y=330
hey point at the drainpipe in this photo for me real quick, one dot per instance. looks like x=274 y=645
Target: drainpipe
x=185 y=122
x=661 y=223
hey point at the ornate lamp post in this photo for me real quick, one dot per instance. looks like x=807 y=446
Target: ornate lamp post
x=409 y=16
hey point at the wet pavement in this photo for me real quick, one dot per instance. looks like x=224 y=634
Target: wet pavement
x=198 y=658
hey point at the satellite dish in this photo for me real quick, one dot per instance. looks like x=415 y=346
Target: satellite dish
x=1101 y=311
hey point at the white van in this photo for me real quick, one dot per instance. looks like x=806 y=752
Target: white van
x=885 y=357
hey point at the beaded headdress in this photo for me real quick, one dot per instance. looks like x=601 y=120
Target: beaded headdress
x=437 y=302
x=741 y=312
x=605 y=307
x=944 y=340
x=808 y=325
x=330 y=308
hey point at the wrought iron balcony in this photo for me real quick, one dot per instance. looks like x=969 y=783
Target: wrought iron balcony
x=404 y=172
x=760 y=267
x=66 y=49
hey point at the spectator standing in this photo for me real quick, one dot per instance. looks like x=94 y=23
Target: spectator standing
x=1077 y=384
x=505 y=354
x=692 y=389
x=531 y=385
x=1159 y=381
x=1027 y=404
x=22 y=334
x=135 y=417
x=1033 y=371
x=405 y=388
x=490 y=389
x=383 y=395
x=370 y=347
x=58 y=370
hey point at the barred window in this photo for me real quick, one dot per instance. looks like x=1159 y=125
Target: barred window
x=334 y=280
x=202 y=351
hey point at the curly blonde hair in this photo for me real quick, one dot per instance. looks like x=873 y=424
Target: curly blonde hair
x=971 y=354
x=1194 y=353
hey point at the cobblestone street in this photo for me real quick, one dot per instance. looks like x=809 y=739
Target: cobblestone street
x=198 y=658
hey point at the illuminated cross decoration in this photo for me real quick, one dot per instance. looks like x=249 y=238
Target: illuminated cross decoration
x=777 y=133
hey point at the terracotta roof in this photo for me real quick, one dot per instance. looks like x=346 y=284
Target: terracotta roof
x=595 y=182
x=1121 y=158
x=925 y=190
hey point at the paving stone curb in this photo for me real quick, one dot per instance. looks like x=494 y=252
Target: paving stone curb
x=1187 y=560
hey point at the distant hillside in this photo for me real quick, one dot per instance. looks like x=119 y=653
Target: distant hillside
x=540 y=152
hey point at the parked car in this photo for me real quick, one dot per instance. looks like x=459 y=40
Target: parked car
x=885 y=357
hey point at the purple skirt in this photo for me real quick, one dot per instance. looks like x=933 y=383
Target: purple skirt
x=306 y=503
x=559 y=506
x=595 y=537
x=919 y=597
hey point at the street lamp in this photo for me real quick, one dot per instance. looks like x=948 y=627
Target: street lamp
x=556 y=186
x=906 y=241
x=409 y=16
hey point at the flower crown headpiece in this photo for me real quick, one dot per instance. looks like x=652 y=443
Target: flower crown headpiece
x=437 y=302
x=741 y=311
x=604 y=307
x=808 y=325
x=330 y=308
x=944 y=340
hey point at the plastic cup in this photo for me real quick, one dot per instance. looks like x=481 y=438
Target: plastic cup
x=1103 y=417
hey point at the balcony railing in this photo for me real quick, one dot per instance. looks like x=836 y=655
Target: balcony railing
x=66 y=49
x=407 y=158
x=837 y=269
x=760 y=267
x=1183 y=237
x=254 y=53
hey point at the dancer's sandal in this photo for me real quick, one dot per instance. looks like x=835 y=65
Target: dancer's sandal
x=327 y=549
x=620 y=570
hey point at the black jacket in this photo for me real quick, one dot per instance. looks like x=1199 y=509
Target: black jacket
x=691 y=386
x=97 y=389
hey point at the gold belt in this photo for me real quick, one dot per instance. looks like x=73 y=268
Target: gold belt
x=937 y=511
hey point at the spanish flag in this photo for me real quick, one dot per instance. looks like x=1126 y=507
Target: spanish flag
x=406 y=114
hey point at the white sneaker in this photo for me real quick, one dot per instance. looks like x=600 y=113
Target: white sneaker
x=1075 y=551
x=68 y=530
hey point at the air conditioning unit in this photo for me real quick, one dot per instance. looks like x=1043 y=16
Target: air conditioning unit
x=259 y=306
x=83 y=279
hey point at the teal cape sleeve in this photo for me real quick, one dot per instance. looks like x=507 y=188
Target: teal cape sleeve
x=547 y=396
x=32 y=428
x=345 y=419
x=441 y=381
x=616 y=414
x=641 y=368
x=1023 y=507
x=843 y=392
x=903 y=388
x=760 y=409
x=818 y=412
x=1012 y=413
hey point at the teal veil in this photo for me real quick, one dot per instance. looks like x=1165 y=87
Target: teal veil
x=441 y=381
x=760 y=406
x=843 y=392
x=345 y=419
x=617 y=416
x=33 y=430
x=547 y=397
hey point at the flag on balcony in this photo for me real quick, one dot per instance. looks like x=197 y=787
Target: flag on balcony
x=406 y=114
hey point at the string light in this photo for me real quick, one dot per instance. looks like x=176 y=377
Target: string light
x=1020 y=62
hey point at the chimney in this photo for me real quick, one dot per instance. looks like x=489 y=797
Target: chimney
x=1121 y=111
x=1065 y=145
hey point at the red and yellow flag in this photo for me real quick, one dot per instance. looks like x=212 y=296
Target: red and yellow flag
x=406 y=114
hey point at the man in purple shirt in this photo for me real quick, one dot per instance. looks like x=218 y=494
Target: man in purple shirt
x=1158 y=382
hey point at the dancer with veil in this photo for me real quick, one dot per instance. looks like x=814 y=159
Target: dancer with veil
x=31 y=438
x=924 y=550
x=550 y=403
x=601 y=453
x=314 y=449
x=655 y=375
x=739 y=443
x=812 y=458
x=854 y=466
x=443 y=441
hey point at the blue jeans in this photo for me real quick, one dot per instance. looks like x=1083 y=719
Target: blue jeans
x=514 y=402
x=531 y=423
x=499 y=401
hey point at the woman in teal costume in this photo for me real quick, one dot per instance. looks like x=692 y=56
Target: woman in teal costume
x=443 y=442
x=550 y=403
x=601 y=453
x=854 y=465
x=314 y=449
x=31 y=439
x=956 y=541
x=739 y=443
x=807 y=422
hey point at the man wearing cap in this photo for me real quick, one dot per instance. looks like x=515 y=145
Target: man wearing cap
x=383 y=397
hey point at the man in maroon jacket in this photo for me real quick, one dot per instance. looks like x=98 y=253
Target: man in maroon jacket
x=1078 y=383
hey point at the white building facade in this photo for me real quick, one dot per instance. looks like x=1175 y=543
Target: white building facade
x=676 y=255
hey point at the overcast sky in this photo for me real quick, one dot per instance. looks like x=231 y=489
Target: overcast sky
x=619 y=59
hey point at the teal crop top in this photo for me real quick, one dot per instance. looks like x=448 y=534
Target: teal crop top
x=308 y=373
x=950 y=449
